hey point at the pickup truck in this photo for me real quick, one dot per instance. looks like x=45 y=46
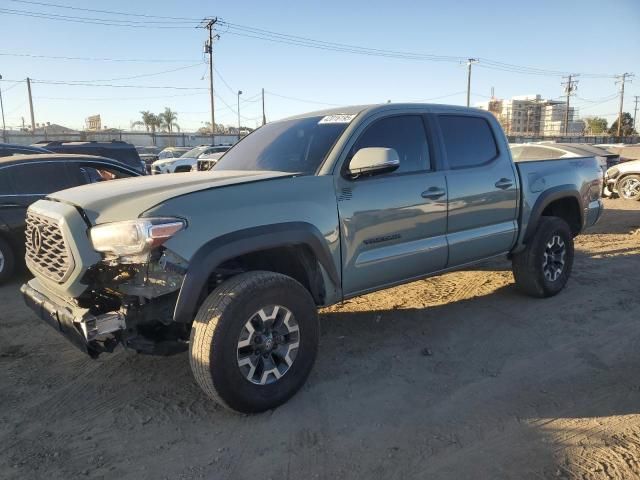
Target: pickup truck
x=232 y=264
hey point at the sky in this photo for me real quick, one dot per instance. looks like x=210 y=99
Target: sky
x=595 y=38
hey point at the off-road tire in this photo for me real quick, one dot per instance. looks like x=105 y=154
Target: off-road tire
x=626 y=179
x=528 y=269
x=213 y=347
x=7 y=262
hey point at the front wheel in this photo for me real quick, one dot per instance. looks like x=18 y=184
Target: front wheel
x=542 y=269
x=629 y=187
x=254 y=341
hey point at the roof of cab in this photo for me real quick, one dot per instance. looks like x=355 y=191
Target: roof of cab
x=381 y=107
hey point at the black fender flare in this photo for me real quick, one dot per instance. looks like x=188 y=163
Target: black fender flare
x=225 y=247
x=545 y=199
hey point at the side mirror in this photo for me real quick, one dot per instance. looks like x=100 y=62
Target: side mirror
x=373 y=161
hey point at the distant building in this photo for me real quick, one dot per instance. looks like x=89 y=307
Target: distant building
x=531 y=115
x=93 y=123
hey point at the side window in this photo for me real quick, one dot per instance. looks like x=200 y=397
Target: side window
x=94 y=174
x=39 y=178
x=405 y=134
x=468 y=140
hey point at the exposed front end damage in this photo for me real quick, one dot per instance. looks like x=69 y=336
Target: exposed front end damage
x=127 y=304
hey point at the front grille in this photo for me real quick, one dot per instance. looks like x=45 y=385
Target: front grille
x=46 y=251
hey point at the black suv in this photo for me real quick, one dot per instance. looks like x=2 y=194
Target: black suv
x=25 y=179
x=117 y=150
x=8 y=149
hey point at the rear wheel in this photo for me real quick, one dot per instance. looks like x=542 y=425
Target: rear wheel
x=254 y=341
x=544 y=267
x=7 y=261
x=629 y=187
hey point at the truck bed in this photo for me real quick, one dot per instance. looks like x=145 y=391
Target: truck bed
x=542 y=177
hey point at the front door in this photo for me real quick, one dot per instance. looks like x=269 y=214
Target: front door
x=393 y=225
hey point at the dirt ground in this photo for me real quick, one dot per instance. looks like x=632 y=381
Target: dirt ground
x=452 y=377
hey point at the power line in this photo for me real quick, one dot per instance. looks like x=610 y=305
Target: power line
x=90 y=21
x=15 y=84
x=95 y=59
x=89 y=99
x=262 y=34
x=57 y=5
x=86 y=84
x=268 y=35
x=136 y=76
x=232 y=90
x=598 y=100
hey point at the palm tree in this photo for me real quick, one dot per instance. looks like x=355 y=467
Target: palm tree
x=168 y=120
x=150 y=121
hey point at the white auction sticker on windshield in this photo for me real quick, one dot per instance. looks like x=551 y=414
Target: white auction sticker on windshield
x=339 y=118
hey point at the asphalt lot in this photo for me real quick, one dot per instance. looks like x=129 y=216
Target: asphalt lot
x=458 y=376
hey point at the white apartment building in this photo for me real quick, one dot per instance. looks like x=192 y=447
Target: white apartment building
x=531 y=115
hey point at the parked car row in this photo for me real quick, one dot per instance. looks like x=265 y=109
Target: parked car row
x=25 y=179
x=621 y=175
x=123 y=152
x=547 y=150
x=624 y=180
x=31 y=172
x=203 y=156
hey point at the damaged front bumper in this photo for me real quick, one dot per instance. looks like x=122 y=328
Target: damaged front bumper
x=146 y=328
x=93 y=334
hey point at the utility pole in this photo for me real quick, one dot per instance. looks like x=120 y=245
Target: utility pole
x=569 y=87
x=33 y=120
x=209 y=24
x=4 y=128
x=470 y=62
x=635 y=111
x=264 y=117
x=622 y=79
x=239 y=93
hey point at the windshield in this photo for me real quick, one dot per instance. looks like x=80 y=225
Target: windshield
x=194 y=152
x=296 y=146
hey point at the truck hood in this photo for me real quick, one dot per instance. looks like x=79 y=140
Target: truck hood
x=126 y=199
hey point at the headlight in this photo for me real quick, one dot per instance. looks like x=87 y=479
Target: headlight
x=613 y=172
x=131 y=241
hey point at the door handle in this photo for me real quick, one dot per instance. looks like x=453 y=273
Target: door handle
x=433 y=193
x=504 y=183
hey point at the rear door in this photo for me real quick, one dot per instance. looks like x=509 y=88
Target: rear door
x=11 y=210
x=29 y=182
x=483 y=187
x=392 y=225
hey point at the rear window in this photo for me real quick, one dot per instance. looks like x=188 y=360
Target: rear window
x=468 y=140
x=535 y=153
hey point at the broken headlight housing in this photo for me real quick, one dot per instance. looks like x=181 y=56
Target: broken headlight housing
x=132 y=241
